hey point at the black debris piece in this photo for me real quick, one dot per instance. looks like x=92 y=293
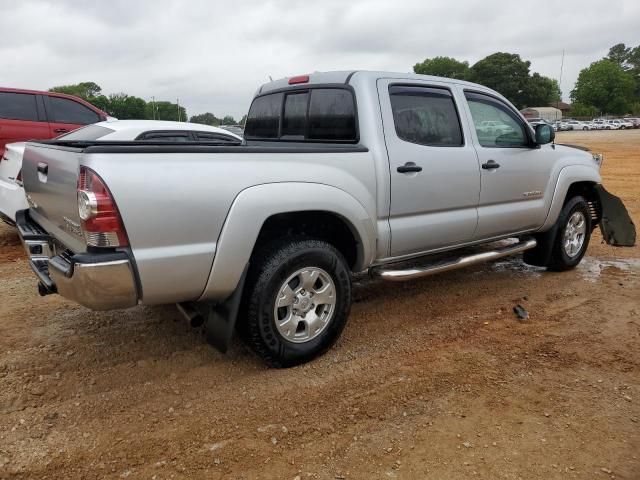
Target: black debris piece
x=521 y=313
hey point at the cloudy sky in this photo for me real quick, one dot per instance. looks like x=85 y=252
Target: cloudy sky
x=212 y=54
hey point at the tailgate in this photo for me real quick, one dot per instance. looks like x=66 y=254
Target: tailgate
x=50 y=177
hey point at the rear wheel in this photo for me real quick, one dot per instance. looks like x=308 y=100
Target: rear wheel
x=574 y=232
x=297 y=301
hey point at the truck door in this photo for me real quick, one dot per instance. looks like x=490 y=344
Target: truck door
x=435 y=175
x=514 y=173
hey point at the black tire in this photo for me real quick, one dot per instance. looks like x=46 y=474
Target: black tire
x=271 y=266
x=560 y=260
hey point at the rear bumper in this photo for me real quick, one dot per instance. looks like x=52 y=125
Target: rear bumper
x=102 y=281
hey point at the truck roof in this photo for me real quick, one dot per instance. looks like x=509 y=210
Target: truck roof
x=345 y=77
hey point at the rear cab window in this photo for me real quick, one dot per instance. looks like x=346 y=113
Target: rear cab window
x=313 y=114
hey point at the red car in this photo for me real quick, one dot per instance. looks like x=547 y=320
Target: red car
x=30 y=114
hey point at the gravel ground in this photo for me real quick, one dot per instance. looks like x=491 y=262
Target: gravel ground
x=434 y=379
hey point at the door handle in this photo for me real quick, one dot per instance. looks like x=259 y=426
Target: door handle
x=409 y=167
x=490 y=165
x=60 y=130
x=43 y=168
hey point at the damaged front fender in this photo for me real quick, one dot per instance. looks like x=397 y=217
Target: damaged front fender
x=615 y=222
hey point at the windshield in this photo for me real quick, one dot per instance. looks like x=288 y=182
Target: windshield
x=88 y=133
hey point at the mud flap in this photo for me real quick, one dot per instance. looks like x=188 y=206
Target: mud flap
x=616 y=225
x=221 y=318
x=541 y=255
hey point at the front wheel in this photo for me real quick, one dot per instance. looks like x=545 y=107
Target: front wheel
x=574 y=232
x=296 y=302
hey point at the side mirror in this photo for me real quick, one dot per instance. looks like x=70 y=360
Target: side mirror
x=544 y=134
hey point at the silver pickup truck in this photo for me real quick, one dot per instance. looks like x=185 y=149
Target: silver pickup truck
x=340 y=173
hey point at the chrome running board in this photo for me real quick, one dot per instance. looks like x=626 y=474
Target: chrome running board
x=401 y=275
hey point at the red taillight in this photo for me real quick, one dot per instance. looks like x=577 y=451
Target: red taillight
x=299 y=79
x=100 y=220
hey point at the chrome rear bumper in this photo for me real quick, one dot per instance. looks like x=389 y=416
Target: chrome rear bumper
x=102 y=281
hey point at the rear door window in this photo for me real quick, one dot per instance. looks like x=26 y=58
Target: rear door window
x=426 y=116
x=68 y=111
x=18 y=106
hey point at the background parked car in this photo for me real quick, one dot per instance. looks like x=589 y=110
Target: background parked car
x=576 y=125
x=31 y=114
x=624 y=123
x=493 y=127
x=12 y=196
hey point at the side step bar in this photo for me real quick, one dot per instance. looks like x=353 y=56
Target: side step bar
x=460 y=262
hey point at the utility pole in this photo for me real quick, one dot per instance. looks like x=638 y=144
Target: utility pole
x=560 y=82
x=178 y=103
x=153 y=106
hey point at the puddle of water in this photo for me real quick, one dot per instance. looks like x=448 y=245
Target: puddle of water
x=591 y=268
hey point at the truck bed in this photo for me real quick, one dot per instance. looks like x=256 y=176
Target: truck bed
x=174 y=197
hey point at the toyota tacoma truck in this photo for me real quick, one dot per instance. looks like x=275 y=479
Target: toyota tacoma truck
x=392 y=174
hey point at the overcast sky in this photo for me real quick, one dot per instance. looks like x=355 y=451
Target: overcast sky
x=212 y=55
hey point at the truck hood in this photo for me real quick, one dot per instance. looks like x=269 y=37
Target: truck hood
x=579 y=147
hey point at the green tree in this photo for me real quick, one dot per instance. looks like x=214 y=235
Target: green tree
x=228 y=120
x=166 y=111
x=580 y=110
x=506 y=73
x=627 y=58
x=243 y=120
x=123 y=106
x=86 y=90
x=619 y=54
x=100 y=101
x=605 y=86
x=541 y=91
x=206 y=119
x=633 y=64
x=443 y=67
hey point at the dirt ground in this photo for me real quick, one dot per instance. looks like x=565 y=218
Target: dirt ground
x=434 y=379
